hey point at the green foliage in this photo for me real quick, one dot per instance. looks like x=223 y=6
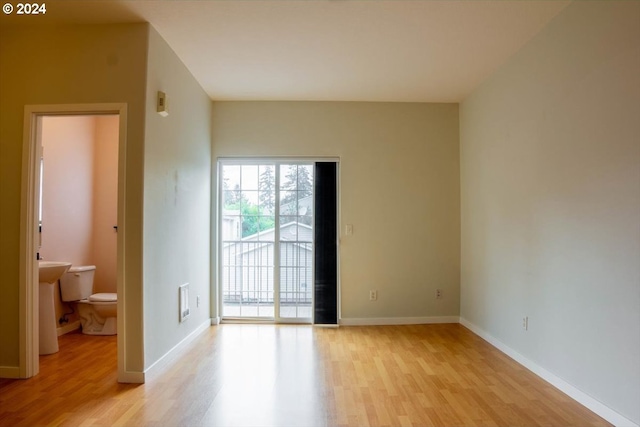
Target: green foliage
x=231 y=196
x=299 y=183
x=267 y=188
x=252 y=219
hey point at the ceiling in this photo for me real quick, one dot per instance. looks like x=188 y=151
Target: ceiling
x=331 y=50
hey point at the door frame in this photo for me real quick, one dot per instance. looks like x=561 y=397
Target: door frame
x=29 y=364
x=255 y=160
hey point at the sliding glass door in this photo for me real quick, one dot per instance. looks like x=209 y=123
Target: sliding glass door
x=267 y=237
x=295 y=239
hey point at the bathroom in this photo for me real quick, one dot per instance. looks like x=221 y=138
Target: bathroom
x=78 y=205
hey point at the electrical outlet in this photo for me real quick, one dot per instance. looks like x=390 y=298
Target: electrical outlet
x=525 y=323
x=438 y=293
x=373 y=295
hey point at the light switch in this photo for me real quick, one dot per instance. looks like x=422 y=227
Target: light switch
x=349 y=229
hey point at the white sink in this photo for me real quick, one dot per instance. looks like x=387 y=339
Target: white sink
x=51 y=271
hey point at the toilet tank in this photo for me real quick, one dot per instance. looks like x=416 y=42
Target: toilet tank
x=77 y=283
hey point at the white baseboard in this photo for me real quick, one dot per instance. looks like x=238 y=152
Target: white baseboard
x=9 y=372
x=581 y=397
x=131 y=377
x=380 y=321
x=68 y=328
x=215 y=320
x=158 y=364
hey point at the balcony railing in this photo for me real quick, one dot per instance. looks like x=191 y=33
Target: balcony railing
x=248 y=274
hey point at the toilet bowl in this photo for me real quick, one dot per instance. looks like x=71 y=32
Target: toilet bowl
x=97 y=311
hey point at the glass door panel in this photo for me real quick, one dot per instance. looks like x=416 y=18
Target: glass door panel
x=247 y=233
x=296 y=241
x=267 y=241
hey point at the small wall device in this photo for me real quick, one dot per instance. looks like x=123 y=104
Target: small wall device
x=161 y=105
x=184 y=302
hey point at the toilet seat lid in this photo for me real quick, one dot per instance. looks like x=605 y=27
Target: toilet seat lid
x=105 y=297
x=80 y=268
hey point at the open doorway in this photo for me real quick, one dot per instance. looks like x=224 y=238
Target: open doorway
x=73 y=210
x=78 y=222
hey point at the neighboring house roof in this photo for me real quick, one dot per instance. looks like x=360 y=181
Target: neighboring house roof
x=289 y=232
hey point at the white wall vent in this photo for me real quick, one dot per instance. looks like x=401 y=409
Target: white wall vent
x=184 y=302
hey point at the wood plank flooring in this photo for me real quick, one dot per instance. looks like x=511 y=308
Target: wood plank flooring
x=286 y=375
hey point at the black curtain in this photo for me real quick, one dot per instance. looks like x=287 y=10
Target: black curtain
x=326 y=243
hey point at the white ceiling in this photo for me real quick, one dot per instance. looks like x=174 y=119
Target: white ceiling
x=339 y=50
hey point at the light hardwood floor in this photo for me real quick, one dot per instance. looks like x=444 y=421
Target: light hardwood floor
x=267 y=375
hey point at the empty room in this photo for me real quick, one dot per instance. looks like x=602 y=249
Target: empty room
x=320 y=213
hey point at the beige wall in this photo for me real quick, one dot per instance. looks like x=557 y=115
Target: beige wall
x=105 y=203
x=108 y=64
x=550 y=179
x=70 y=65
x=67 y=194
x=177 y=201
x=399 y=187
x=67 y=189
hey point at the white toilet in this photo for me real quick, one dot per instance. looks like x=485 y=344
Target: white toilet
x=97 y=311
